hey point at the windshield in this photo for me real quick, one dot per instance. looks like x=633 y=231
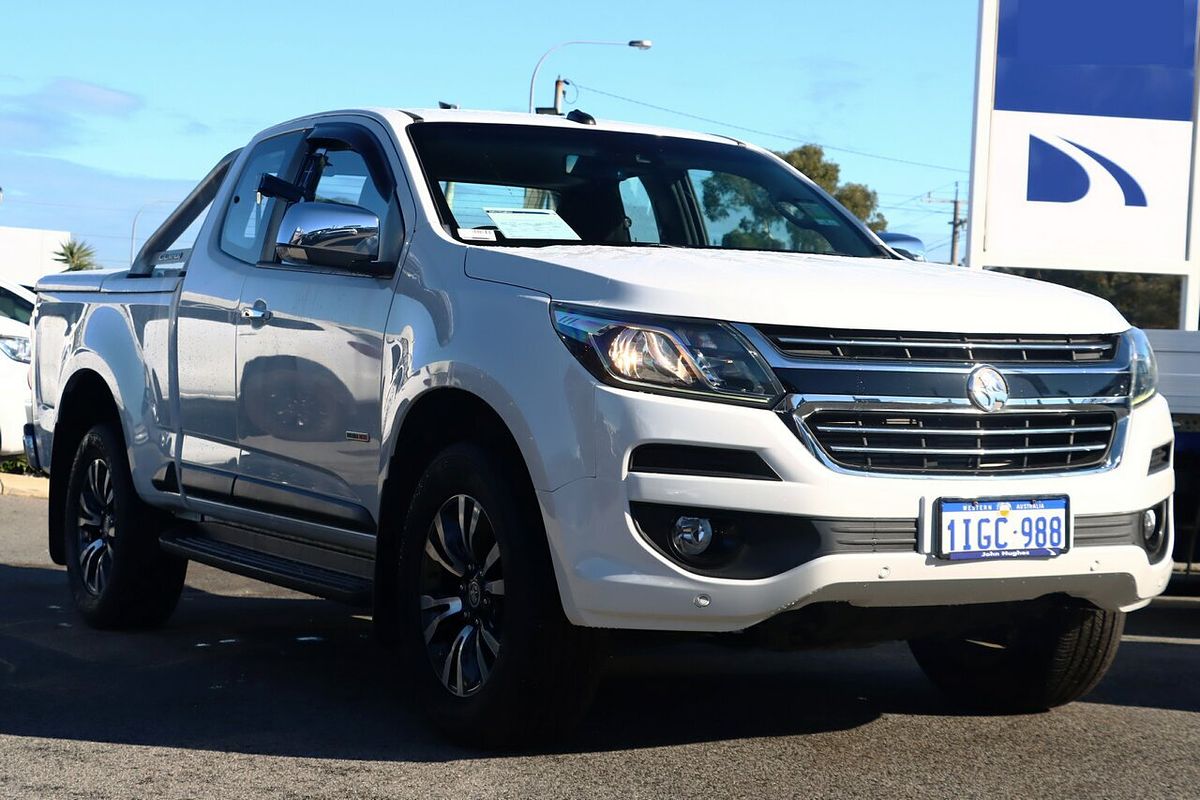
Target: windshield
x=527 y=185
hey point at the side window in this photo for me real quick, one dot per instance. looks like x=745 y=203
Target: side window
x=14 y=307
x=346 y=179
x=249 y=214
x=643 y=225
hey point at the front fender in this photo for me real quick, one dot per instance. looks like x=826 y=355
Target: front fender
x=503 y=350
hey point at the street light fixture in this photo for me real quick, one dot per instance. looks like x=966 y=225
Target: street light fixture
x=639 y=44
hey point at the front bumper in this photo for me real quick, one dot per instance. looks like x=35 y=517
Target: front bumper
x=609 y=576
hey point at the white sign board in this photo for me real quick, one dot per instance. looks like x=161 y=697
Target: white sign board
x=1085 y=139
x=27 y=254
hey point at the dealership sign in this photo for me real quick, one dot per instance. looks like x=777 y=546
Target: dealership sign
x=1085 y=138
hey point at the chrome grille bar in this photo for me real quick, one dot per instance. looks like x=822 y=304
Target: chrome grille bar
x=819 y=344
x=965 y=432
x=987 y=451
x=944 y=345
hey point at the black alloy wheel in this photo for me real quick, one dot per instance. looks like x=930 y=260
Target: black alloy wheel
x=118 y=575
x=490 y=655
x=96 y=527
x=462 y=595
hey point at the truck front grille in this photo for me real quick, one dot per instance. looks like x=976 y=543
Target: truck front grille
x=963 y=443
x=820 y=343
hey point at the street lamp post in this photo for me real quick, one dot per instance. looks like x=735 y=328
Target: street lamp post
x=639 y=44
x=133 y=227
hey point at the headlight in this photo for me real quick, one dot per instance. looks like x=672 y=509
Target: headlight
x=15 y=347
x=706 y=360
x=1143 y=366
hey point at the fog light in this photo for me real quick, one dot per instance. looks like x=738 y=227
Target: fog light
x=692 y=535
x=1154 y=531
x=1149 y=524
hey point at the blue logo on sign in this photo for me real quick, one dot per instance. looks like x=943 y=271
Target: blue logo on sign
x=1058 y=177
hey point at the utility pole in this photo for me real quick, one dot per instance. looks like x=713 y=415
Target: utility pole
x=956 y=224
x=560 y=89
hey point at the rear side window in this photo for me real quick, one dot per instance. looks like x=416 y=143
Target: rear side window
x=248 y=215
x=14 y=307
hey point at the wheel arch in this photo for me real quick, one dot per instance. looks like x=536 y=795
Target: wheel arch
x=87 y=400
x=435 y=420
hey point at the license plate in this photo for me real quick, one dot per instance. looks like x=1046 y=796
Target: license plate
x=975 y=530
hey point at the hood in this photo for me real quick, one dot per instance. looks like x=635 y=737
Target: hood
x=797 y=289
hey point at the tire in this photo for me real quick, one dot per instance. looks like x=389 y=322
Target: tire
x=1034 y=665
x=119 y=577
x=492 y=659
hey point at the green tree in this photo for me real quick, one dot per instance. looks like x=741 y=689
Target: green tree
x=77 y=256
x=1147 y=301
x=761 y=224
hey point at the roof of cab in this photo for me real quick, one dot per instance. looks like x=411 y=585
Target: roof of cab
x=552 y=121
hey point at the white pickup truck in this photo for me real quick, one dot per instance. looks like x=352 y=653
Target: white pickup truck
x=509 y=381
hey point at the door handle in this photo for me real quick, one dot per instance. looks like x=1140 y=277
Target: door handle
x=256 y=313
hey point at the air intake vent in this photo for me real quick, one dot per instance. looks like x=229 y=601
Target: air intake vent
x=715 y=462
x=1160 y=459
x=818 y=343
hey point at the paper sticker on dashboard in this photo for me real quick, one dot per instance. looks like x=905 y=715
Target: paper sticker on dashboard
x=477 y=234
x=531 y=223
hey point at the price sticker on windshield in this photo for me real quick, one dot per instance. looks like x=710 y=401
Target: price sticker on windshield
x=531 y=223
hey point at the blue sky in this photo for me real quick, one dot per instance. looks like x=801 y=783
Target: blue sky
x=106 y=107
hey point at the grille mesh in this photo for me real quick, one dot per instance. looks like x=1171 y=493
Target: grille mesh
x=964 y=444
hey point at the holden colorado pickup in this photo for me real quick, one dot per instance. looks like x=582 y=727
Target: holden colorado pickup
x=513 y=382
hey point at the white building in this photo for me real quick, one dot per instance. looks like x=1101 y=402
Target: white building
x=27 y=254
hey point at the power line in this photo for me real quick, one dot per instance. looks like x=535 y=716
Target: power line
x=915 y=208
x=72 y=205
x=766 y=133
x=923 y=195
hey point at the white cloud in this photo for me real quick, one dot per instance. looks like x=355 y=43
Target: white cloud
x=85 y=97
x=56 y=115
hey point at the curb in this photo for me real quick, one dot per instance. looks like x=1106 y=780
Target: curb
x=24 y=486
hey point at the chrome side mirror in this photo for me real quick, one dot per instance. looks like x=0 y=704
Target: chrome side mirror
x=334 y=235
x=908 y=246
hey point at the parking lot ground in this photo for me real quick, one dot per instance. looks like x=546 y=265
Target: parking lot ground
x=253 y=691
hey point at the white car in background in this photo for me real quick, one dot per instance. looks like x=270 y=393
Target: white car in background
x=16 y=306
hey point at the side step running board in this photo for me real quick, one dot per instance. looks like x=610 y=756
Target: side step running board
x=274 y=569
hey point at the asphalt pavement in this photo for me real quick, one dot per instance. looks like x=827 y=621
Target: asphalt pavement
x=253 y=691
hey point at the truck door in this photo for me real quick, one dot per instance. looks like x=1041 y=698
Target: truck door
x=207 y=317
x=310 y=338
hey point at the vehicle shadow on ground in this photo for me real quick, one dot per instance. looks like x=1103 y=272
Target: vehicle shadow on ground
x=299 y=677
